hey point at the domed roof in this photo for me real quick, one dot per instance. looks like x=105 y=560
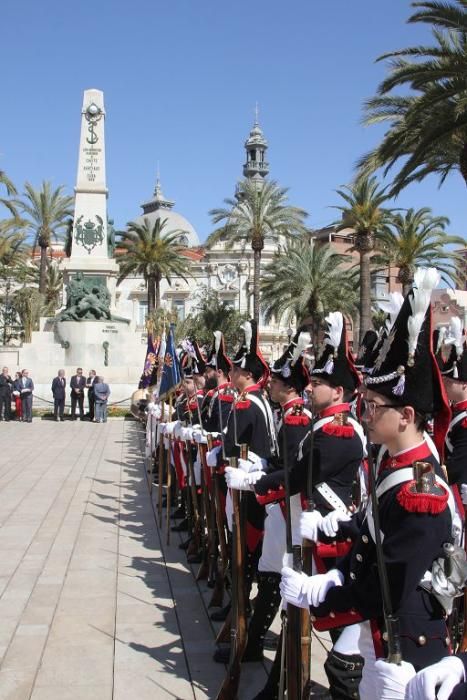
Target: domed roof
x=161 y=208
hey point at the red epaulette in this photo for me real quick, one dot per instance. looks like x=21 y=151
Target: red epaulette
x=243 y=403
x=464 y=423
x=339 y=427
x=297 y=416
x=210 y=393
x=228 y=398
x=433 y=502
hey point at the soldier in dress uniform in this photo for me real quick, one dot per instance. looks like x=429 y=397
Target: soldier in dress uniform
x=250 y=422
x=415 y=513
x=454 y=372
x=288 y=380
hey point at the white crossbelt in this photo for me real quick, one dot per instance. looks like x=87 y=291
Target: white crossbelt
x=331 y=497
x=455 y=421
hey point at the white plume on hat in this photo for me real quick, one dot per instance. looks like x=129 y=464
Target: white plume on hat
x=425 y=280
x=303 y=342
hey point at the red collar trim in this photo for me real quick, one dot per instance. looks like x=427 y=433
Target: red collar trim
x=293 y=402
x=407 y=457
x=225 y=385
x=250 y=389
x=332 y=410
x=460 y=406
x=200 y=392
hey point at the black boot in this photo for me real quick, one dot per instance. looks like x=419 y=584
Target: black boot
x=266 y=607
x=221 y=615
x=344 y=672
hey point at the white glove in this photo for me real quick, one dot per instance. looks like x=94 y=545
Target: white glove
x=199 y=436
x=185 y=434
x=161 y=426
x=330 y=523
x=256 y=463
x=211 y=456
x=246 y=466
x=237 y=479
x=170 y=427
x=464 y=494
x=313 y=588
x=391 y=679
x=177 y=430
x=446 y=674
x=309 y=524
x=291 y=586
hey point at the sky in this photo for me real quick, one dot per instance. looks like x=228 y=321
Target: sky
x=181 y=79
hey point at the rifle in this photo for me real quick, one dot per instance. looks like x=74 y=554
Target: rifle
x=195 y=543
x=238 y=630
x=308 y=549
x=390 y=619
x=169 y=483
x=221 y=552
x=161 y=468
x=293 y=627
x=208 y=523
x=463 y=643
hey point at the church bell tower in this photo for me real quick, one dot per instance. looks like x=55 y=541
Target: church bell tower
x=256 y=167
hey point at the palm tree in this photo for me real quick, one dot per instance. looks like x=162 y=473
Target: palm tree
x=306 y=279
x=12 y=251
x=29 y=274
x=146 y=250
x=259 y=211
x=27 y=303
x=47 y=213
x=210 y=314
x=416 y=237
x=366 y=219
x=427 y=126
x=11 y=191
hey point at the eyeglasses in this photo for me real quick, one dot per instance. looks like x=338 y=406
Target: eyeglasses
x=370 y=407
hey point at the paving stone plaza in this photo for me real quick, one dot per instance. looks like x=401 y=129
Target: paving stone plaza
x=93 y=604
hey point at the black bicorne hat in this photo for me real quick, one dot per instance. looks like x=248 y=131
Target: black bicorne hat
x=249 y=356
x=455 y=366
x=217 y=356
x=363 y=361
x=191 y=360
x=403 y=370
x=335 y=363
x=290 y=367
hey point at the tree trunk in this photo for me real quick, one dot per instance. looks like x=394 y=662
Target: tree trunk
x=463 y=161
x=43 y=271
x=151 y=294
x=256 y=280
x=365 y=294
x=158 y=292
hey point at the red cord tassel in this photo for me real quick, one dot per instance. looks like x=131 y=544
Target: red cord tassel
x=345 y=431
x=415 y=502
x=297 y=420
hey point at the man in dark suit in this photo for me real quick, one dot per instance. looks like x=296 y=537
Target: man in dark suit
x=5 y=394
x=77 y=385
x=58 y=391
x=26 y=389
x=90 y=382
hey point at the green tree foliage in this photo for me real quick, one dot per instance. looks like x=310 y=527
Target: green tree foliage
x=210 y=314
x=306 y=279
x=28 y=304
x=427 y=122
x=46 y=213
x=366 y=218
x=259 y=212
x=151 y=252
x=416 y=237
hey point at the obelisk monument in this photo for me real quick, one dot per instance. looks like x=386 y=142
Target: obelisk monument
x=91 y=249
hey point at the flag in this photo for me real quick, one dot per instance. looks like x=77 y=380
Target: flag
x=171 y=378
x=149 y=376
